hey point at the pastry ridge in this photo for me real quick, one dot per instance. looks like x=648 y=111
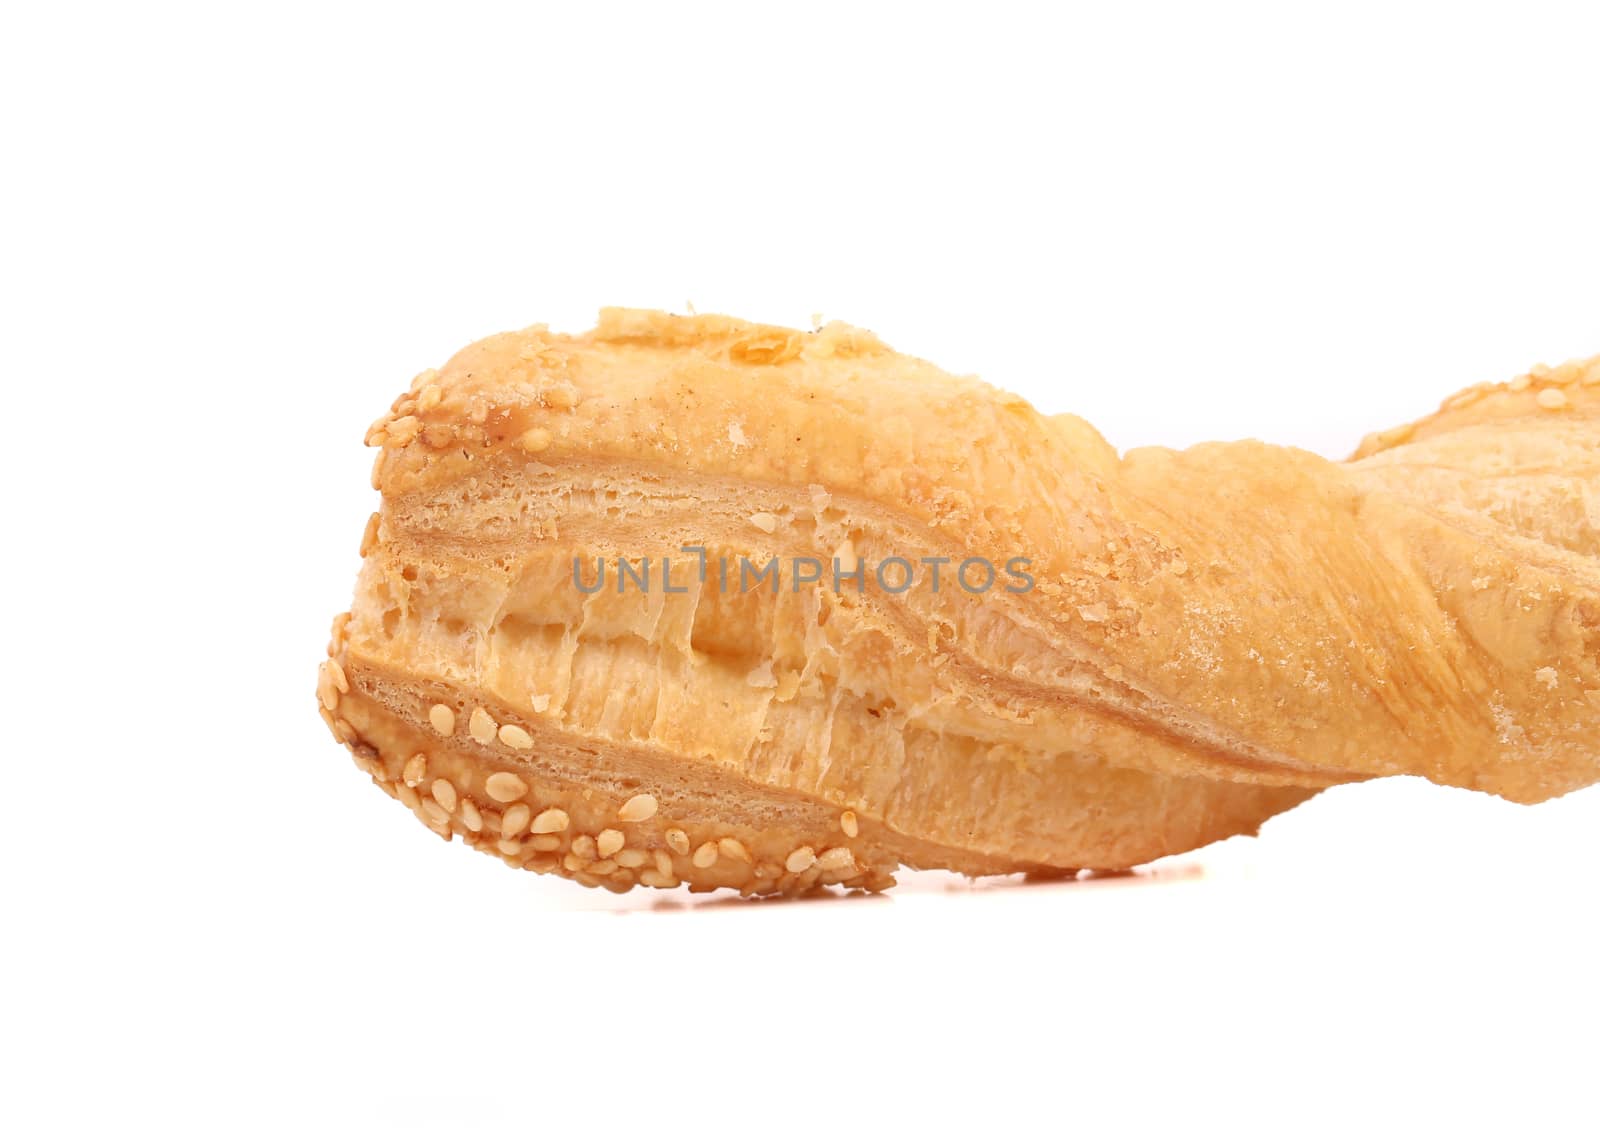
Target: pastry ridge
x=1207 y=637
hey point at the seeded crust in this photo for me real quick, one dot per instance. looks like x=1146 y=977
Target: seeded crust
x=1214 y=635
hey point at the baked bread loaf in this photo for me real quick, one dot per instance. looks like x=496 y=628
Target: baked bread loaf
x=1173 y=646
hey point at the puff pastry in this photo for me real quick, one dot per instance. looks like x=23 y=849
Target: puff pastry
x=1207 y=637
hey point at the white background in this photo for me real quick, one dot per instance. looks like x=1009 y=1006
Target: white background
x=231 y=237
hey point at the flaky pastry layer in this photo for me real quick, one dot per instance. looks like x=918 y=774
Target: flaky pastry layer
x=1204 y=638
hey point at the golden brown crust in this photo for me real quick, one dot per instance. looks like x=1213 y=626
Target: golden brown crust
x=1212 y=634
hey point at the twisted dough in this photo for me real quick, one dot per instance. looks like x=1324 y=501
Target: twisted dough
x=1213 y=635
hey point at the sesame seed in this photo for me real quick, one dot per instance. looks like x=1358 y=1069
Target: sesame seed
x=534 y=440
x=705 y=855
x=428 y=399
x=509 y=847
x=445 y=793
x=545 y=843
x=654 y=878
x=505 y=787
x=609 y=842
x=563 y=397
x=425 y=377
x=663 y=860
x=585 y=846
x=574 y=862
x=1552 y=399
x=1520 y=383
x=369 y=537
x=515 y=820
x=800 y=859
x=848 y=825
x=414 y=772
x=764 y=521
x=678 y=841
x=631 y=858
x=515 y=736
x=640 y=807
x=481 y=727
x=327 y=692
x=435 y=811
x=471 y=817
x=443 y=720
x=550 y=820
x=602 y=867
x=403 y=430
x=337 y=672
x=733 y=849
x=836 y=859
